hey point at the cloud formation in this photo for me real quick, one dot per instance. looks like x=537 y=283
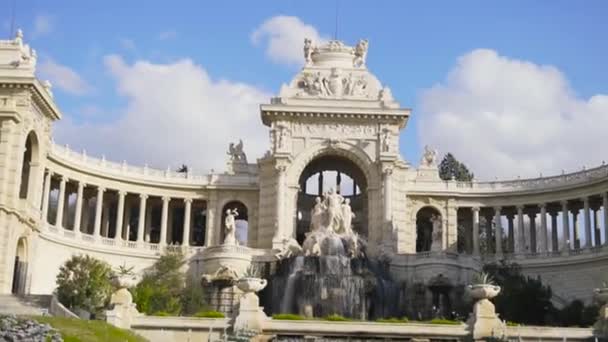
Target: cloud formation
x=63 y=77
x=174 y=113
x=504 y=117
x=284 y=38
x=43 y=25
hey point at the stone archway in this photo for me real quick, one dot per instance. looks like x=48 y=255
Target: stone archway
x=242 y=221
x=330 y=171
x=20 y=268
x=427 y=238
x=29 y=167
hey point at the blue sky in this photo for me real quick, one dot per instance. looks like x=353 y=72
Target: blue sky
x=413 y=47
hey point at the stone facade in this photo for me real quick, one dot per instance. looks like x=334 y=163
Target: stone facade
x=55 y=202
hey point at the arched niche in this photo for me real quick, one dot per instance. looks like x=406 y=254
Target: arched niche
x=20 y=268
x=29 y=166
x=242 y=221
x=332 y=171
x=424 y=228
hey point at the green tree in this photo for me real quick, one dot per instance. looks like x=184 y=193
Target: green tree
x=523 y=299
x=193 y=297
x=85 y=282
x=450 y=168
x=182 y=169
x=161 y=286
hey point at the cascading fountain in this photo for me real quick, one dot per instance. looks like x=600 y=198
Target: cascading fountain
x=331 y=273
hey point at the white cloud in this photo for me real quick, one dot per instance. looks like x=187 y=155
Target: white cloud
x=167 y=35
x=63 y=77
x=505 y=117
x=43 y=25
x=174 y=113
x=128 y=44
x=284 y=36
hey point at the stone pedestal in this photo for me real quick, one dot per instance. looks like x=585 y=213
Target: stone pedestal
x=251 y=317
x=484 y=321
x=124 y=310
x=600 y=328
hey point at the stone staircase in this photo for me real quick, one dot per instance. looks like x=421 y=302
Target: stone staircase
x=28 y=305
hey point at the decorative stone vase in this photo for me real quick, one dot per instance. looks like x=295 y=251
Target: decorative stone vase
x=483 y=291
x=251 y=317
x=484 y=322
x=251 y=285
x=600 y=328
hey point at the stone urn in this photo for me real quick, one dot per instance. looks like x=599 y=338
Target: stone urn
x=251 y=284
x=124 y=281
x=484 y=322
x=600 y=328
x=483 y=291
x=251 y=317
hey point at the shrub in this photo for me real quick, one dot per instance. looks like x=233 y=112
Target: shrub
x=209 y=314
x=513 y=324
x=393 y=320
x=161 y=287
x=85 y=282
x=192 y=298
x=443 y=321
x=288 y=317
x=337 y=318
x=161 y=314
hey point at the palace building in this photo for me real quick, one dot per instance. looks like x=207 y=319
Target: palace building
x=335 y=120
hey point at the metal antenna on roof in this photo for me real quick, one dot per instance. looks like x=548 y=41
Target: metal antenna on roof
x=12 y=28
x=336 y=21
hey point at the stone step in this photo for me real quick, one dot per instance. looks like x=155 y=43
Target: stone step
x=27 y=305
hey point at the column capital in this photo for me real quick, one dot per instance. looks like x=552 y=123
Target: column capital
x=497 y=209
x=520 y=208
x=605 y=196
x=476 y=209
x=143 y=196
x=387 y=171
x=101 y=189
x=542 y=205
x=81 y=184
x=122 y=193
x=585 y=200
x=281 y=168
x=64 y=179
x=166 y=199
x=188 y=200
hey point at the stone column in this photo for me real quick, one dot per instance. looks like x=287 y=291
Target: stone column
x=163 y=221
x=521 y=236
x=605 y=211
x=388 y=172
x=141 y=222
x=120 y=213
x=488 y=228
x=211 y=209
x=587 y=222
x=543 y=248
x=279 y=232
x=45 y=197
x=554 y=238
x=511 y=236
x=78 y=209
x=576 y=237
x=98 y=212
x=533 y=245
x=475 y=230
x=187 y=215
x=597 y=238
x=126 y=225
x=60 y=203
x=565 y=227
x=498 y=231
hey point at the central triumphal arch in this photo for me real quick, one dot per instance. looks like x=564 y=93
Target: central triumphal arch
x=333 y=116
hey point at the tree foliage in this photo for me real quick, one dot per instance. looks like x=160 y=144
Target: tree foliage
x=523 y=299
x=85 y=282
x=161 y=286
x=451 y=168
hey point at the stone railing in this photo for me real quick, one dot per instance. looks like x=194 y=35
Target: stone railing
x=540 y=183
x=123 y=169
x=104 y=243
x=57 y=309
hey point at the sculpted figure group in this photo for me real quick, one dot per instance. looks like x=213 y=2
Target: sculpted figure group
x=333 y=213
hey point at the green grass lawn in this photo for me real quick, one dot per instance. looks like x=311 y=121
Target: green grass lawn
x=77 y=330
